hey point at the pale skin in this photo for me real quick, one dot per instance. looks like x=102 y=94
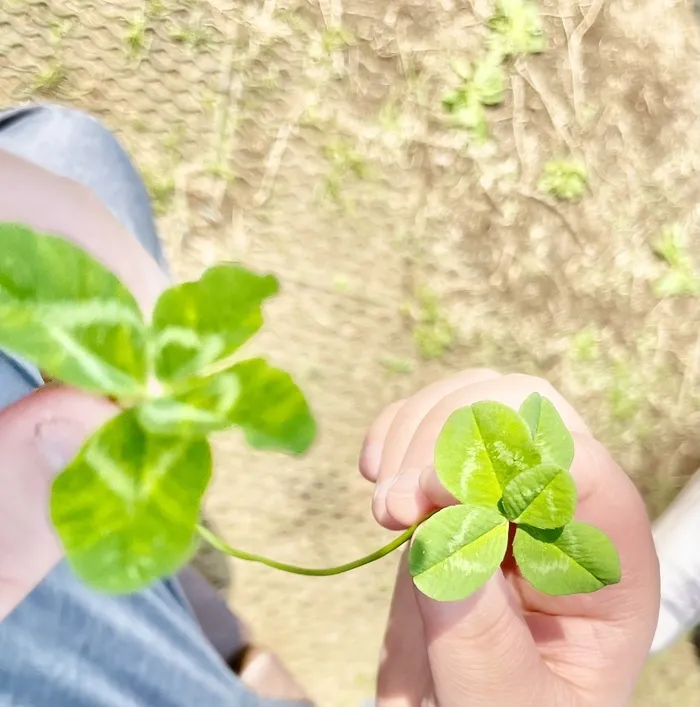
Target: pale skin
x=505 y=646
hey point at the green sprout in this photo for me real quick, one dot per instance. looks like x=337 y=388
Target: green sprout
x=127 y=508
x=482 y=86
x=564 y=179
x=49 y=81
x=336 y=38
x=680 y=278
x=433 y=332
x=516 y=28
x=135 y=35
x=509 y=468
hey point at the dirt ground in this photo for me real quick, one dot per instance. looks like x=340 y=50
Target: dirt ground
x=309 y=139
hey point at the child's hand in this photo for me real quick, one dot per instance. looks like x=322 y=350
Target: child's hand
x=507 y=644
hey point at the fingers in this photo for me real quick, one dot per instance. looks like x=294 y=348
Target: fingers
x=481 y=652
x=394 y=441
x=32 y=195
x=405 y=495
x=38 y=436
x=613 y=626
x=371 y=455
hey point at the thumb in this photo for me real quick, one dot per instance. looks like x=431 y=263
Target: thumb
x=481 y=651
x=39 y=435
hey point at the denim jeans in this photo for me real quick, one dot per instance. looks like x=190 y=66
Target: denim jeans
x=65 y=645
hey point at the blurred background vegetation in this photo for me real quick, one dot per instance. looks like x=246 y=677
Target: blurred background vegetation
x=438 y=184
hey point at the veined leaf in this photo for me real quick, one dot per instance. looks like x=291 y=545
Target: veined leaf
x=480 y=449
x=69 y=315
x=126 y=507
x=457 y=550
x=262 y=400
x=575 y=559
x=552 y=438
x=200 y=323
x=271 y=411
x=543 y=497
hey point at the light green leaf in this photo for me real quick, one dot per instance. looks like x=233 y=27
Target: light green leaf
x=552 y=438
x=576 y=559
x=543 y=497
x=480 y=449
x=516 y=28
x=262 y=400
x=272 y=411
x=489 y=80
x=456 y=551
x=200 y=323
x=68 y=314
x=564 y=179
x=203 y=407
x=126 y=507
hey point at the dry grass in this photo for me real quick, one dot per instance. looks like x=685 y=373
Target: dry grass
x=315 y=144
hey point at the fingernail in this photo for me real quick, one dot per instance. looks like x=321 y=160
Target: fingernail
x=382 y=489
x=405 y=484
x=58 y=441
x=370 y=459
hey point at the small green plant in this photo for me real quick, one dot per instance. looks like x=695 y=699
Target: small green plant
x=336 y=38
x=345 y=161
x=161 y=189
x=509 y=468
x=135 y=35
x=564 y=179
x=482 y=86
x=49 y=81
x=193 y=36
x=127 y=507
x=585 y=345
x=680 y=278
x=516 y=28
x=433 y=332
x=398 y=365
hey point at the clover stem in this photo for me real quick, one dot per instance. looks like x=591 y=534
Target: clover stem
x=220 y=544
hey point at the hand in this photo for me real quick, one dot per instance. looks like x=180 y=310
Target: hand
x=507 y=644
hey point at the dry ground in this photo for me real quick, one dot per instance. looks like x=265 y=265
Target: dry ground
x=308 y=138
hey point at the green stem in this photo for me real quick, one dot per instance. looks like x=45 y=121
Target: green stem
x=215 y=541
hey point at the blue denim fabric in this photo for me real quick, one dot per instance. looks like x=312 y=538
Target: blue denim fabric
x=65 y=645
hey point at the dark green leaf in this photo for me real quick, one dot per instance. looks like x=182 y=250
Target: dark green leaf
x=126 y=507
x=200 y=323
x=69 y=315
x=552 y=438
x=262 y=400
x=543 y=497
x=576 y=559
x=456 y=551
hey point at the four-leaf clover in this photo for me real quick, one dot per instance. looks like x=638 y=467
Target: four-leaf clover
x=508 y=468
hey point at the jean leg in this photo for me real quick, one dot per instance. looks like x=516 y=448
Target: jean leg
x=73 y=144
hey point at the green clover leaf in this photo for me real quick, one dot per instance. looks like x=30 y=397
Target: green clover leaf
x=544 y=497
x=69 y=315
x=126 y=507
x=508 y=468
x=457 y=550
x=480 y=449
x=200 y=323
x=575 y=559
x=263 y=401
x=552 y=439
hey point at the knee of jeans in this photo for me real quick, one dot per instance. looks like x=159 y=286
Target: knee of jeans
x=70 y=128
